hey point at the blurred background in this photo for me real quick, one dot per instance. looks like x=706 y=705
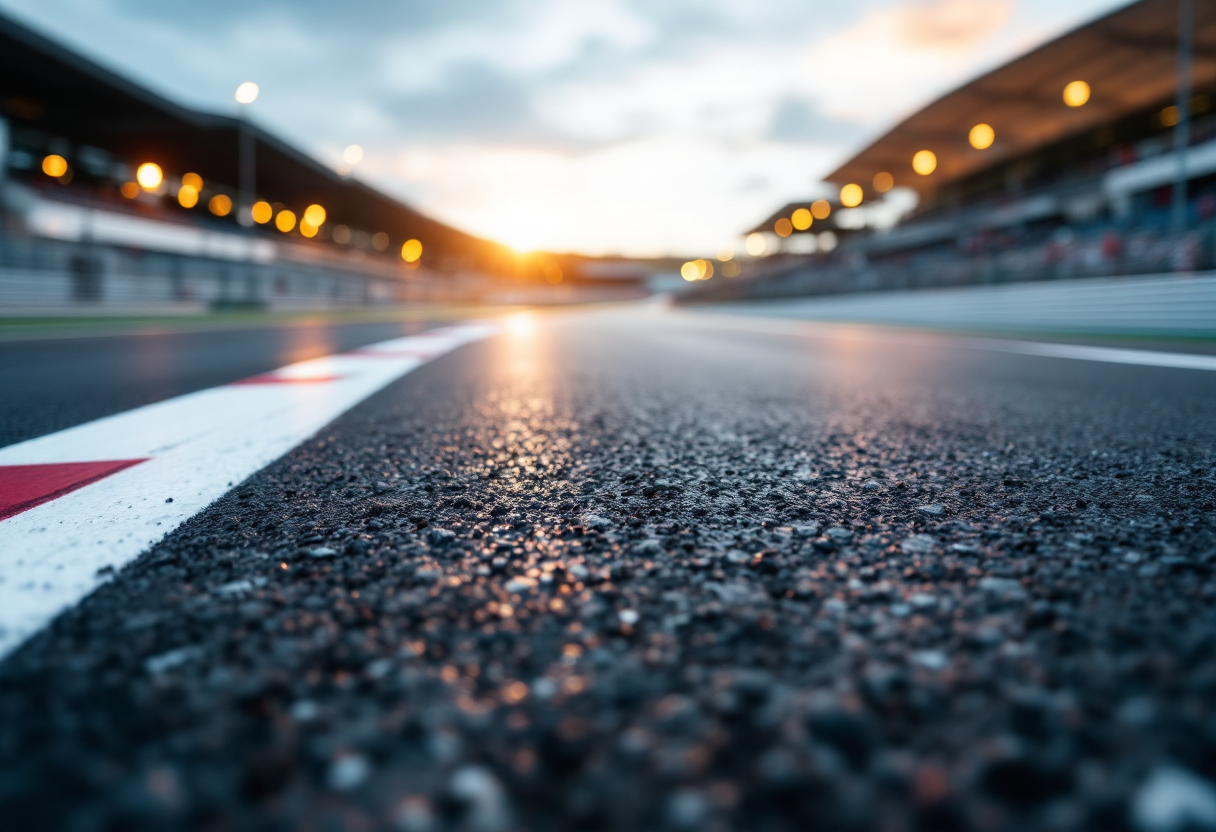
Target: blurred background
x=159 y=158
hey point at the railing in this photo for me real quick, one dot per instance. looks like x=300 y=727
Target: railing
x=40 y=276
x=980 y=260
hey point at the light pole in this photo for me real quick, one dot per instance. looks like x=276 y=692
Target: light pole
x=246 y=94
x=351 y=156
x=1182 y=130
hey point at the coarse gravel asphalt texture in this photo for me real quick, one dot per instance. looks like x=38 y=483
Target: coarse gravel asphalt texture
x=631 y=572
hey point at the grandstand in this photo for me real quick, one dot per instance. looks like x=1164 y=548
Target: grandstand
x=83 y=230
x=1083 y=157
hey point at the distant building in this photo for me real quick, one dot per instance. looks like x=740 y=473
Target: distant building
x=1063 y=162
x=115 y=196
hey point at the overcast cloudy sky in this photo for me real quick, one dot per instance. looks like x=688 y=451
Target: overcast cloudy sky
x=630 y=126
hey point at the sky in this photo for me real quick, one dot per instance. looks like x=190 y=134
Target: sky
x=636 y=127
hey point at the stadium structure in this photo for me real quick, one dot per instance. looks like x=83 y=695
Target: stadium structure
x=115 y=199
x=1091 y=155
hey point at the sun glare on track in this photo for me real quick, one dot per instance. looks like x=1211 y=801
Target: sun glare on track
x=521 y=325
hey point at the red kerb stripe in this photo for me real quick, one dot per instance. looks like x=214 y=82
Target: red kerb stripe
x=24 y=486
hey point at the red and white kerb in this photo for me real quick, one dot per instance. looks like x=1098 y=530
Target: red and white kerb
x=97 y=495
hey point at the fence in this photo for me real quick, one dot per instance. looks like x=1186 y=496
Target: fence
x=51 y=277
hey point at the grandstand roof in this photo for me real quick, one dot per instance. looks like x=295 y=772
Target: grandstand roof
x=57 y=92
x=1127 y=57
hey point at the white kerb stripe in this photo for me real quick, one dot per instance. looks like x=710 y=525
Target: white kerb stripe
x=197 y=447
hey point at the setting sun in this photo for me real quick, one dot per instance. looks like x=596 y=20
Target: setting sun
x=521 y=324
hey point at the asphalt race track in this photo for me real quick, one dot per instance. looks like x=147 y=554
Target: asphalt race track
x=55 y=383
x=628 y=571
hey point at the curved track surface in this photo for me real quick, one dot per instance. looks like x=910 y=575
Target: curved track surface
x=625 y=572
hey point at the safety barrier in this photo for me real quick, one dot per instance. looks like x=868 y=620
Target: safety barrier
x=1171 y=304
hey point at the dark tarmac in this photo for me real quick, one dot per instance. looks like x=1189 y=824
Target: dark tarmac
x=54 y=383
x=623 y=571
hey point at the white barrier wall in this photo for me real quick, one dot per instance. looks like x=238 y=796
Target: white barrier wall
x=91 y=288
x=1174 y=304
x=62 y=259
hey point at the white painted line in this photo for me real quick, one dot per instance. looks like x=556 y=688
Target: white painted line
x=195 y=448
x=1109 y=355
x=817 y=329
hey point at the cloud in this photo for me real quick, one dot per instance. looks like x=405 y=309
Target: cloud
x=533 y=40
x=593 y=125
x=474 y=103
x=796 y=120
x=886 y=62
x=951 y=24
x=642 y=197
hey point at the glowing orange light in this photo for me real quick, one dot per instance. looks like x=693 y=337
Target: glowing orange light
x=314 y=215
x=307 y=229
x=924 y=162
x=54 y=165
x=553 y=273
x=129 y=189
x=697 y=270
x=1076 y=94
x=261 y=212
x=1169 y=116
x=802 y=219
x=851 y=195
x=220 y=205
x=821 y=209
x=193 y=180
x=187 y=196
x=411 y=250
x=783 y=227
x=285 y=220
x=149 y=176
x=883 y=181
x=514 y=693
x=981 y=136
